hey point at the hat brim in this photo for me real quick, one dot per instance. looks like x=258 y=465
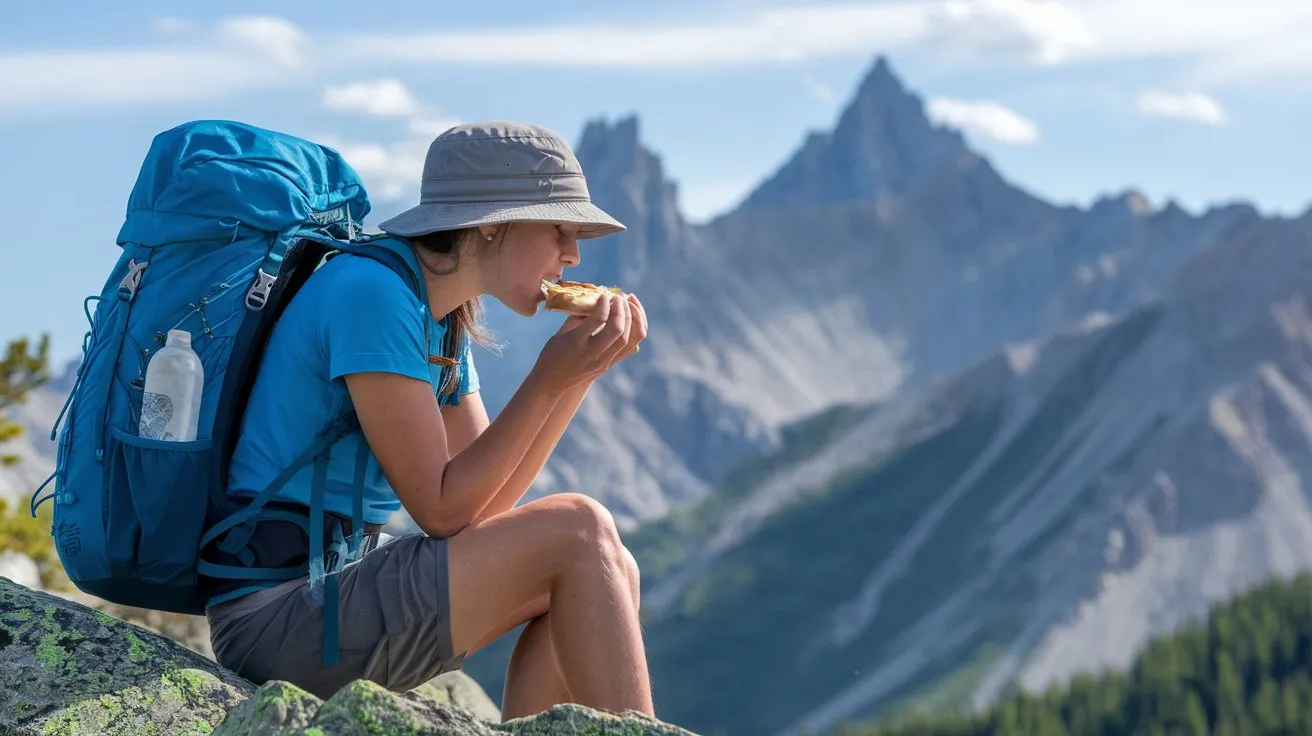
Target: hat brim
x=593 y=222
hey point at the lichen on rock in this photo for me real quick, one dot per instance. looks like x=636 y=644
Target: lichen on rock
x=65 y=669
x=577 y=720
x=275 y=709
x=68 y=670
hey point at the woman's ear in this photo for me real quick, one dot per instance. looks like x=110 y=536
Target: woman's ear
x=487 y=231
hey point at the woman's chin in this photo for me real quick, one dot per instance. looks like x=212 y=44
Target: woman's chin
x=531 y=307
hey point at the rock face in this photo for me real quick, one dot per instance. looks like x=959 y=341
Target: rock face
x=66 y=669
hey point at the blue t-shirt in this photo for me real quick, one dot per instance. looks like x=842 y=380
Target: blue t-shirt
x=354 y=315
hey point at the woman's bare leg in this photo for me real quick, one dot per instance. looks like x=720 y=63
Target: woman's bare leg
x=565 y=548
x=533 y=679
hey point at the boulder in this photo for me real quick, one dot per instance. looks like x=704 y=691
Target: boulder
x=278 y=709
x=68 y=669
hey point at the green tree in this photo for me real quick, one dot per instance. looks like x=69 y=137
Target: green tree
x=1246 y=670
x=21 y=370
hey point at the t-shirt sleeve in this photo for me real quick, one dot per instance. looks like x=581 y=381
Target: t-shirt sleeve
x=372 y=323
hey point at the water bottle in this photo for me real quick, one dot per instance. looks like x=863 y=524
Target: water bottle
x=170 y=408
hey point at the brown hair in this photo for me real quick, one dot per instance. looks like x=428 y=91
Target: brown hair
x=466 y=321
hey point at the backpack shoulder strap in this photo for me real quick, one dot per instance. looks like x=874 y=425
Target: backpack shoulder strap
x=378 y=249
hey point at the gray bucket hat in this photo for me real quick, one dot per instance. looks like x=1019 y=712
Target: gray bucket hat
x=501 y=171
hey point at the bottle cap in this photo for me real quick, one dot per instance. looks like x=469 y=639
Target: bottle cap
x=179 y=338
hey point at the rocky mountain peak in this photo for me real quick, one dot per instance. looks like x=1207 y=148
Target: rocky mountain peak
x=628 y=180
x=883 y=143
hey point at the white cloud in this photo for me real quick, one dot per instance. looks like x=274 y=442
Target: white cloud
x=819 y=90
x=389 y=171
x=384 y=98
x=216 y=64
x=984 y=117
x=1218 y=41
x=77 y=79
x=1226 y=41
x=783 y=35
x=1043 y=31
x=276 y=38
x=1191 y=106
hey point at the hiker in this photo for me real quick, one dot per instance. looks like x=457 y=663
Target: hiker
x=415 y=606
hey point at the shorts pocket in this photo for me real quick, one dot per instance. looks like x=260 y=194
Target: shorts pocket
x=157 y=496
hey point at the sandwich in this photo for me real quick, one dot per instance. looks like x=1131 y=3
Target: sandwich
x=574 y=297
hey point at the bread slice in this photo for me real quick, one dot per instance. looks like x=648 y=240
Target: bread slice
x=574 y=297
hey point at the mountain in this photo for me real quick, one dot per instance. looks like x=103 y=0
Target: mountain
x=1043 y=513
x=880 y=255
x=1188 y=682
x=1057 y=441
x=882 y=145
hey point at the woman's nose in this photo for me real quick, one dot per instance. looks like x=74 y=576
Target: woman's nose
x=570 y=253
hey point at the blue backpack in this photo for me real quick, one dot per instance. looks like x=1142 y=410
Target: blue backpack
x=224 y=224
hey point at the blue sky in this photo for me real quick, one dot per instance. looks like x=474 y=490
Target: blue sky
x=1198 y=100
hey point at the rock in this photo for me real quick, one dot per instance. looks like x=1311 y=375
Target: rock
x=461 y=691
x=566 y=719
x=276 y=709
x=363 y=707
x=67 y=669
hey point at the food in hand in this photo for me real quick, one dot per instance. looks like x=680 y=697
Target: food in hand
x=574 y=297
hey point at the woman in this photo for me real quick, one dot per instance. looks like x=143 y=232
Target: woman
x=502 y=207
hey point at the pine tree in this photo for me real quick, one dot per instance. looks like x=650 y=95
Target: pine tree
x=20 y=371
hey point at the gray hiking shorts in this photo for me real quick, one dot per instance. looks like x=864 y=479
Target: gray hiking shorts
x=395 y=624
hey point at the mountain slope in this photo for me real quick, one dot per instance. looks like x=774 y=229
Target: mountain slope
x=1242 y=670
x=1044 y=513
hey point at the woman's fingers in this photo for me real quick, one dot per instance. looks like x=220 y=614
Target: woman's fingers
x=617 y=330
x=595 y=321
x=640 y=318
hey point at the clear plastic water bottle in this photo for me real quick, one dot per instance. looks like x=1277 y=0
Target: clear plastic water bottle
x=175 y=377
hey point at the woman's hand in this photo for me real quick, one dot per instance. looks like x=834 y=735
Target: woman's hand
x=586 y=347
x=637 y=330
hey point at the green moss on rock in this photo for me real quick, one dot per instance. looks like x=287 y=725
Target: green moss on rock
x=577 y=720
x=75 y=673
x=66 y=670
x=363 y=708
x=276 y=709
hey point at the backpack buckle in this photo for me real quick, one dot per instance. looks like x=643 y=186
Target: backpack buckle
x=259 y=292
x=127 y=288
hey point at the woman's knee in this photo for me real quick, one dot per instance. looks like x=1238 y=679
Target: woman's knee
x=573 y=528
x=589 y=525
